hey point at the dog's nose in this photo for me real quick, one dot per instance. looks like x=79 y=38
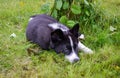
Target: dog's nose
x=75 y=60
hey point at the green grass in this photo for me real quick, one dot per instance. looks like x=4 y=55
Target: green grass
x=16 y=63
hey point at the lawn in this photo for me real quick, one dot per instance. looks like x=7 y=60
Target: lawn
x=15 y=61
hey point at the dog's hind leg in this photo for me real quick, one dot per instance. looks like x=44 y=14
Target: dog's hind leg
x=83 y=48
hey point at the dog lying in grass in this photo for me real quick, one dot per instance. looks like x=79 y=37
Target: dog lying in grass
x=48 y=33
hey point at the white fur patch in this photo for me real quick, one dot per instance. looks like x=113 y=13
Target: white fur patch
x=30 y=19
x=73 y=56
x=84 y=48
x=81 y=37
x=58 y=26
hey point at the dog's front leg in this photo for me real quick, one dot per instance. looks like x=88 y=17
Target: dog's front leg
x=83 y=48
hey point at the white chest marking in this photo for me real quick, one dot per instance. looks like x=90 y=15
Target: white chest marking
x=58 y=26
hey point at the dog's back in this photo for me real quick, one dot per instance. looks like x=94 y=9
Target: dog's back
x=38 y=31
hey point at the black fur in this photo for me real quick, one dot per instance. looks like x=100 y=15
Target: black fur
x=38 y=32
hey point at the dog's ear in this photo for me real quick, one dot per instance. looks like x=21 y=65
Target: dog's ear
x=75 y=30
x=57 y=35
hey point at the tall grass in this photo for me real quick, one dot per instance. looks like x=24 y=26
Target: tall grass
x=16 y=63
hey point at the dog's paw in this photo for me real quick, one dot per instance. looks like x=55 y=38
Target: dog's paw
x=88 y=51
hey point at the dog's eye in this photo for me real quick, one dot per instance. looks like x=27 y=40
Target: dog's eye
x=66 y=51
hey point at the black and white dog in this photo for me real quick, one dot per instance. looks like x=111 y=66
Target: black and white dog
x=50 y=34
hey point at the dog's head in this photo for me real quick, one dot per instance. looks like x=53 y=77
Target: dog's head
x=66 y=42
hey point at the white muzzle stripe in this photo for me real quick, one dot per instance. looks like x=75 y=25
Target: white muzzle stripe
x=73 y=56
